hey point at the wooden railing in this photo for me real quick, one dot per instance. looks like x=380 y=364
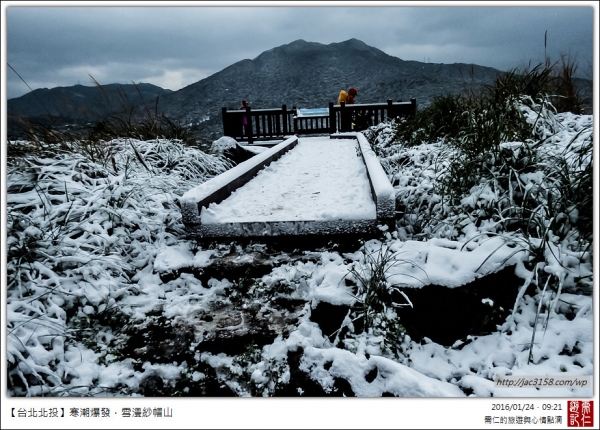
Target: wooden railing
x=264 y=124
x=312 y=124
x=261 y=123
x=358 y=117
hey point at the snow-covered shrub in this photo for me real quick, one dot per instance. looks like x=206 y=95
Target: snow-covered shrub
x=535 y=190
x=377 y=296
x=78 y=226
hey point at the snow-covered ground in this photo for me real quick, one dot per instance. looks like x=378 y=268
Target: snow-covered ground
x=440 y=371
x=91 y=243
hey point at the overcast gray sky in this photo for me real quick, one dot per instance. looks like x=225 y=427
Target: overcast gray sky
x=175 y=46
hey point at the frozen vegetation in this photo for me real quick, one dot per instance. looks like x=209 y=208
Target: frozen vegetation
x=107 y=297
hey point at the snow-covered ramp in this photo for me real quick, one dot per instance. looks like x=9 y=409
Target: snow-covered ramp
x=307 y=186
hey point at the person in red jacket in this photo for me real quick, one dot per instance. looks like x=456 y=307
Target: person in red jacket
x=347 y=97
x=352 y=93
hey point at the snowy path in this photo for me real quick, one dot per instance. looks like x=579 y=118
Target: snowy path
x=321 y=179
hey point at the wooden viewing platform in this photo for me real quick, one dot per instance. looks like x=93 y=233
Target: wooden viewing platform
x=264 y=124
x=202 y=207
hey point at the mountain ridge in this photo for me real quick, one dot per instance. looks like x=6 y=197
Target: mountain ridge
x=298 y=74
x=82 y=102
x=309 y=74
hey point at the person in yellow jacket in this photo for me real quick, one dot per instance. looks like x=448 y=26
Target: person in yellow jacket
x=347 y=97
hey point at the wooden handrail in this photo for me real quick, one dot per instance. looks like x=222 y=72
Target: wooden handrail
x=277 y=123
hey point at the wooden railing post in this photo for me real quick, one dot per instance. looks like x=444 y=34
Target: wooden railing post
x=225 y=123
x=295 y=113
x=248 y=127
x=345 y=118
x=332 y=121
x=413 y=103
x=284 y=118
x=390 y=113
